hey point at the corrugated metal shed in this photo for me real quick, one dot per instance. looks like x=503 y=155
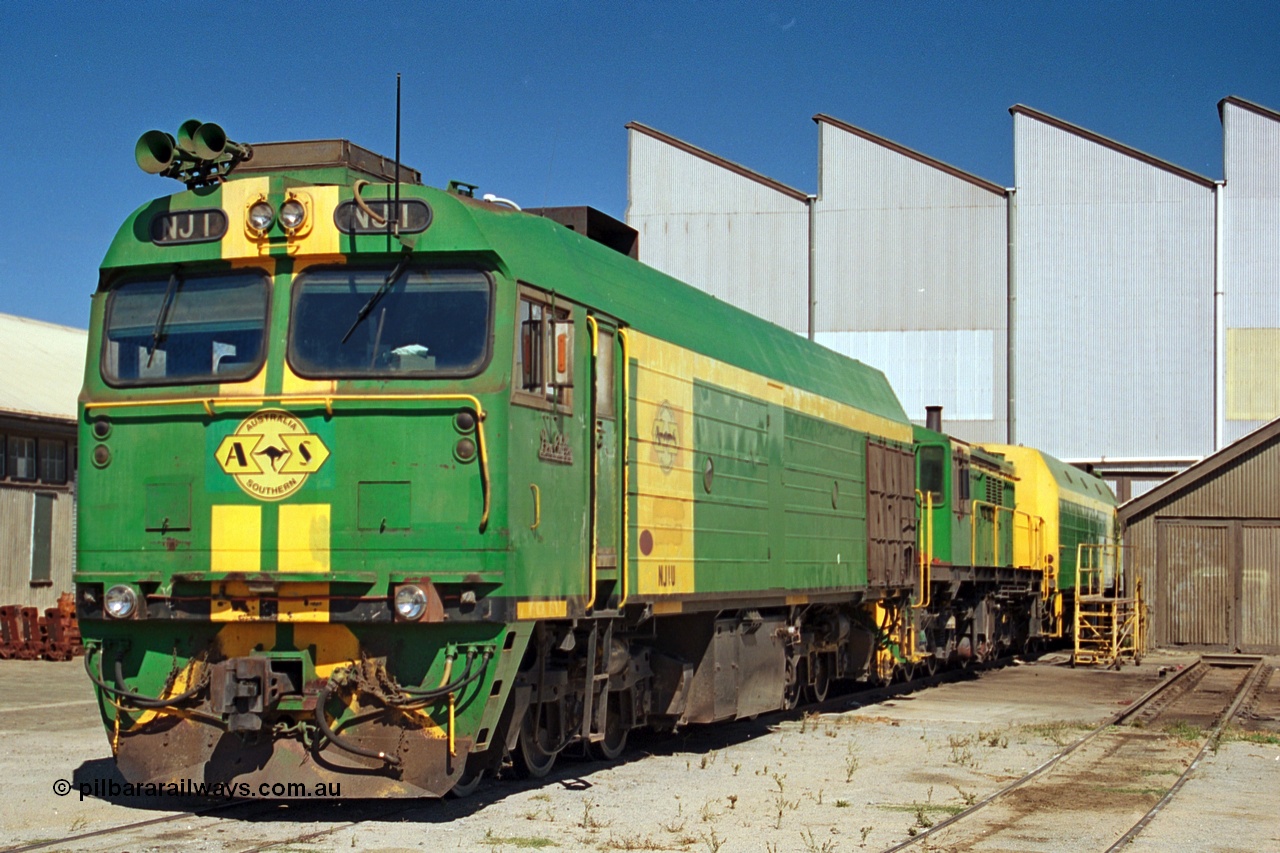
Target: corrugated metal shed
x=1251 y=264
x=910 y=274
x=1114 y=290
x=1207 y=543
x=43 y=367
x=734 y=233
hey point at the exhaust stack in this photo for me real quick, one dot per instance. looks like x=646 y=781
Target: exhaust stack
x=933 y=418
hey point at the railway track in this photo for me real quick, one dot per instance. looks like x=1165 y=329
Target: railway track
x=1104 y=789
x=286 y=823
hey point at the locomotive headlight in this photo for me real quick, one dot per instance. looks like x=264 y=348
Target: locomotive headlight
x=411 y=602
x=120 y=602
x=261 y=215
x=292 y=214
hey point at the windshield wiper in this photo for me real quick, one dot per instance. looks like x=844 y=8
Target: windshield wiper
x=163 y=317
x=377 y=296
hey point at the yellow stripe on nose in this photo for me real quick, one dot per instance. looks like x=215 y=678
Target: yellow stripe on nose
x=235 y=539
x=304 y=538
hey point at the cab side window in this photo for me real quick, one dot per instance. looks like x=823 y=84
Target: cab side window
x=933 y=460
x=544 y=352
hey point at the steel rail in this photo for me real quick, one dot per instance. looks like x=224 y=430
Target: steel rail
x=1114 y=719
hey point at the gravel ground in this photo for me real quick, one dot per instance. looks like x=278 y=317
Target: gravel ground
x=861 y=779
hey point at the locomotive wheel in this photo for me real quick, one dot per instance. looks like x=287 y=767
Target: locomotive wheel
x=467 y=784
x=793 y=687
x=821 y=686
x=615 y=733
x=536 y=748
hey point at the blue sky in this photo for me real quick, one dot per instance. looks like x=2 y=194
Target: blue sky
x=529 y=100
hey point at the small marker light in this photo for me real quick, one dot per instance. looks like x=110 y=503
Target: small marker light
x=411 y=602
x=292 y=214
x=465 y=450
x=120 y=602
x=261 y=215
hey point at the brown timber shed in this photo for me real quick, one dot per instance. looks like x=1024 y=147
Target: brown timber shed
x=1207 y=545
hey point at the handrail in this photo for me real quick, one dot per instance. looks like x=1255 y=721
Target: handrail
x=327 y=400
x=973 y=530
x=1014 y=513
x=593 y=498
x=625 y=425
x=537 y=506
x=926 y=553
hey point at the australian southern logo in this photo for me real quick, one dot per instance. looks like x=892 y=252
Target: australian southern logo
x=271 y=454
x=666 y=438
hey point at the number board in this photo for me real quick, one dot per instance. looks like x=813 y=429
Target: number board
x=415 y=216
x=188 y=226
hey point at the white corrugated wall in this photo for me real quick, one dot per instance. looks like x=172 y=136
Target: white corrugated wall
x=910 y=276
x=727 y=234
x=1115 y=283
x=1251 y=263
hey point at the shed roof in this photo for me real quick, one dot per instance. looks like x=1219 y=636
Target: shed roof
x=911 y=153
x=43 y=368
x=798 y=195
x=1107 y=142
x=1202 y=471
x=1266 y=112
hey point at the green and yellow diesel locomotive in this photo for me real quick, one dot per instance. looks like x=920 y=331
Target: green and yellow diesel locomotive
x=384 y=486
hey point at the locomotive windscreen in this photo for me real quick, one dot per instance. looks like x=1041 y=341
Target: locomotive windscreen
x=185 y=329
x=432 y=322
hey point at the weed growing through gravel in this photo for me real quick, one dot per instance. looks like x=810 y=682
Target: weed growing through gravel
x=713 y=842
x=842 y=804
x=518 y=841
x=627 y=843
x=1183 y=730
x=960 y=753
x=783 y=805
x=967 y=797
x=1145 y=792
x=994 y=739
x=811 y=844
x=1236 y=733
x=589 y=822
x=1059 y=732
x=850 y=763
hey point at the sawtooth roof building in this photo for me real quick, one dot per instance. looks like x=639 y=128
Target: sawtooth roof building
x=1111 y=308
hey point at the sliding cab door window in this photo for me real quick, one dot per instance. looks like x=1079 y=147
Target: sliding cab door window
x=392 y=321
x=185 y=329
x=544 y=353
x=933 y=460
x=606 y=401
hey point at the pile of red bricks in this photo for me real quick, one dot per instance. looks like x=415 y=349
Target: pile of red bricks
x=26 y=635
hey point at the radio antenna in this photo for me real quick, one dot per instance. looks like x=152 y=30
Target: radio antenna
x=395 y=214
